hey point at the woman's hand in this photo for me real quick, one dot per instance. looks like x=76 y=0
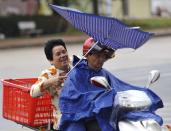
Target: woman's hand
x=55 y=82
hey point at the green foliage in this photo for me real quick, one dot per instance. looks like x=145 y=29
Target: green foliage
x=56 y=24
x=48 y=24
x=149 y=23
x=8 y=27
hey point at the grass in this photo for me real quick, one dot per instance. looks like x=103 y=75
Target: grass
x=149 y=23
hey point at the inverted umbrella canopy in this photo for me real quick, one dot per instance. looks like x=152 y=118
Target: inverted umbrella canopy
x=106 y=30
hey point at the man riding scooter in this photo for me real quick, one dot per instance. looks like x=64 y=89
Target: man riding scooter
x=85 y=105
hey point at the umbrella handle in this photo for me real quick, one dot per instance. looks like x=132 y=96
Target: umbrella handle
x=82 y=57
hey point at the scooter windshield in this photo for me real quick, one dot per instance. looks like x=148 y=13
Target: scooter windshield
x=132 y=100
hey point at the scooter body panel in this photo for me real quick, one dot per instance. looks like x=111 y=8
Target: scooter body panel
x=145 y=125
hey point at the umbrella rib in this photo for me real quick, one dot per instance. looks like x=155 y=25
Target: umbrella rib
x=82 y=58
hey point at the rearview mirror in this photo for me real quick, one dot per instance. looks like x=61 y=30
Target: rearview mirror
x=100 y=81
x=154 y=75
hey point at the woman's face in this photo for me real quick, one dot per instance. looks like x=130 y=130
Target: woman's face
x=60 y=57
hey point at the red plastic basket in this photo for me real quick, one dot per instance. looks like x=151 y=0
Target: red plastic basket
x=20 y=107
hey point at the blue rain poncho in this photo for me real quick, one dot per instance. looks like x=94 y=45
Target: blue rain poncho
x=80 y=100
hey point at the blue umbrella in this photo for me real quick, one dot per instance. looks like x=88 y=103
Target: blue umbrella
x=106 y=30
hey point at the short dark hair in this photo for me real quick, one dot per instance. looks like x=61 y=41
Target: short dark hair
x=49 y=46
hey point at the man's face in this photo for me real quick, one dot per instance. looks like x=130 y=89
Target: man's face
x=96 y=61
x=60 y=57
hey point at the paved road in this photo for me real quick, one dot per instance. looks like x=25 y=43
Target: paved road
x=130 y=66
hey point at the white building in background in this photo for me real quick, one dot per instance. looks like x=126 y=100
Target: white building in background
x=126 y=8
x=132 y=8
x=138 y=9
x=18 y=7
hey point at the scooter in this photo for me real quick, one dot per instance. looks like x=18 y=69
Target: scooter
x=132 y=100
